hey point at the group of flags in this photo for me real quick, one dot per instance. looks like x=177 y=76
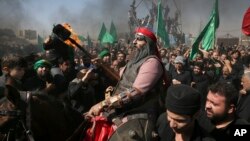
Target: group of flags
x=206 y=38
x=108 y=37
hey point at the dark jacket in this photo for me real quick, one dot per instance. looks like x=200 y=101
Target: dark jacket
x=244 y=106
x=166 y=133
x=184 y=77
x=223 y=134
x=81 y=95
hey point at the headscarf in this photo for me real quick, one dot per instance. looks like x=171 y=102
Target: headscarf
x=42 y=63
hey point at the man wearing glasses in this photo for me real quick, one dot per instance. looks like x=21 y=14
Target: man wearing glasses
x=135 y=98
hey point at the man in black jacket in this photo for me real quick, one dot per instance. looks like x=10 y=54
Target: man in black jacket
x=221 y=110
x=244 y=101
x=179 y=123
x=80 y=91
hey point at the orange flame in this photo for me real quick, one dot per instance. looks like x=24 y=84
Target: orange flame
x=73 y=36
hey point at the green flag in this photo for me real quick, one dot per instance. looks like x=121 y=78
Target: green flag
x=102 y=32
x=82 y=38
x=40 y=42
x=107 y=38
x=208 y=33
x=90 y=44
x=161 y=30
x=113 y=32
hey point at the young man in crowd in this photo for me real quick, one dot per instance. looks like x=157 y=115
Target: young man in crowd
x=13 y=68
x=42 y=81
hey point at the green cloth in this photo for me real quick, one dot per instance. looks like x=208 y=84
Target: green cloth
x=103 y=53
x=107 y=38
x=208 y=33
x=113 y=32
x=82 y=38
x=42 y=63
x=161 y=30
x=102 y=32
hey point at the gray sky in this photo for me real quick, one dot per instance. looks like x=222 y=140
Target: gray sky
x=86 y=16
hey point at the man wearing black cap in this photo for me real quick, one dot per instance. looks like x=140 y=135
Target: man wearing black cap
x=178 y=123
x=135 y=99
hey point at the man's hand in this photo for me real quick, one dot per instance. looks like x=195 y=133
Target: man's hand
x=217 y=65
x=88 y=75
x=95 y=110
x=174 y=81
x=193 y=84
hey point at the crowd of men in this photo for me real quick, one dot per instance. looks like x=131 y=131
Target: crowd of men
x=161 y=94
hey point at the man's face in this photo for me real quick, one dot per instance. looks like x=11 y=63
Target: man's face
x=210 y=53
x=216 y=107
x=242 y=53
x=163 y=53
x=172 y=58
x=76 y=60
x=223 y=57
x=106 y=59
x=17 y=73
x=245 y=82
x=65 y=66
x=216 y=55
x=178 y=66
x=179 y=123
x=235 y=55
x=139 y=41
x=43 y=71
x=115 y=65
x=120 y=57
x=198 y=58
x=197 y=70
x=94 y=52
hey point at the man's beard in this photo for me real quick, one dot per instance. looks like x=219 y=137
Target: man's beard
x=140 y=54
x=219 y=118
x=46 y=76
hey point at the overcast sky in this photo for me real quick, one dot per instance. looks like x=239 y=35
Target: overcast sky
x=86 y=16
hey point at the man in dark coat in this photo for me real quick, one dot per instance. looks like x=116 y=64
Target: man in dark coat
x=244 y=101
x=179 y=123
x=43 y=78
x=221 y=110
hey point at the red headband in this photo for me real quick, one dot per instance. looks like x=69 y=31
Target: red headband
x=146 y=32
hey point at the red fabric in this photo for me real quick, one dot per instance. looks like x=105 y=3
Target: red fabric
x=246 y=23
x=102 y=130
x=146 y=32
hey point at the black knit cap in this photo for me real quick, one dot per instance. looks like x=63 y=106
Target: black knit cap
x=183 y=99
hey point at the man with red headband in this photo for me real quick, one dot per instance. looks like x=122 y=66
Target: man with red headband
x=135 y=98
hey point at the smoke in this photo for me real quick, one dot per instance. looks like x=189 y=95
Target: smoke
x=92 y=14
x=11 y=14
x=87 y=16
